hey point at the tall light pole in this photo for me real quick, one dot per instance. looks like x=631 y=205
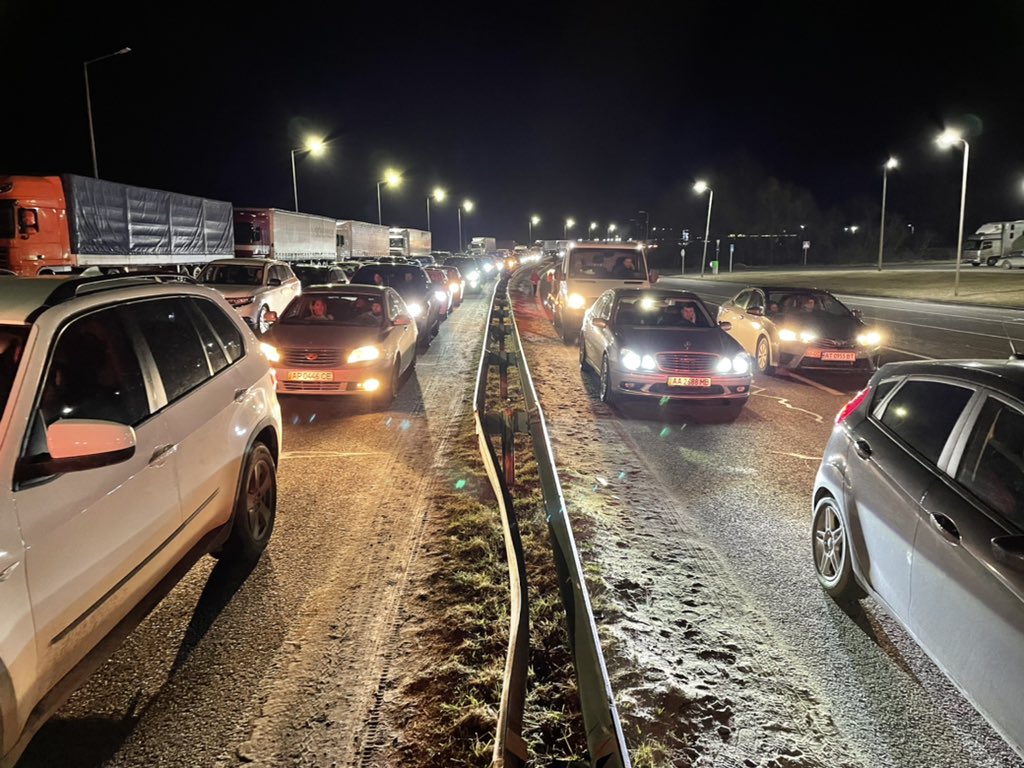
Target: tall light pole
x=700 y=188
x=891 y=164
x=392 y=178
x=88 y=104
x=439 y=195
x=611 y=228
x=313 y=146
x=947 y=139
x=647 y=224
x=593 y=226
x=569 y=224
x=534 y=221
x=467 y=206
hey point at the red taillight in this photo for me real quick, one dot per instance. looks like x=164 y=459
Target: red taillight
x=853 y=405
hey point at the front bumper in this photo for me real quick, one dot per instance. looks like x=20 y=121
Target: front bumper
x=348 y=380
x=732 y=387
x=808 y=357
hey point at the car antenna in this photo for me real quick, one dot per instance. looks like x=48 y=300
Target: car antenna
x=1014 y=354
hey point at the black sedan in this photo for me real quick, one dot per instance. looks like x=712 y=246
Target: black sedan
x=414 y=286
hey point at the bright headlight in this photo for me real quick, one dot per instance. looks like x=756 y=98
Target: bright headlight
x=787 y=335
x=869 y=339
x=473 y=275
x=648 y=363
x=807 y=337
x=363 y=354
x=576 y=301
x=440 y=295
x=724 y=365
x=740 y=364
x=630 y=359
x=454 y=286
x=488 y=267
x=270 y=352
x=415 y=310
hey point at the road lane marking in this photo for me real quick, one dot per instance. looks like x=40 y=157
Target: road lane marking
x=944 y=330
x=815 y=384
x=328 y=454
x=798 y=455
x=912 y=354
x=784 y=401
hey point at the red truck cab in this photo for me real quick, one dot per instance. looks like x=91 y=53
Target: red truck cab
x=33 y=225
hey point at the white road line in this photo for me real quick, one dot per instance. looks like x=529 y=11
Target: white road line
x=328 y=454
x=912 y=354
x=815 y=384
x=940 y=328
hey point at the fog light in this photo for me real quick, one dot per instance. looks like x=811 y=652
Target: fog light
x=371 y=385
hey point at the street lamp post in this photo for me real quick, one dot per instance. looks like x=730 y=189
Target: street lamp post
x=88 y=104
x=611 y=228
x=534 y=221
x=948 y=139
x=314 y=147
x=593 y=226
x=700 y=188
x=467 y=205
x=891 y=164
x=647 y=224
x=439 y=195
x=392 y=178
x=569 y=224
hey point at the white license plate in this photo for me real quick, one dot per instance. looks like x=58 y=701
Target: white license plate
x=687 y=381
x=846 y=357
x=310 y=375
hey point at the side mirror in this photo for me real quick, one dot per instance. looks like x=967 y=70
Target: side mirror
x=79 y=444
x=755 y=311
x=28 y=220
x=271 y=316
x=274 y=282
x=598 y=322
x=1009 y=550
x=725 y=325
x=402 y=320
x=559 y=273
x=856 y=312
x=653 y=276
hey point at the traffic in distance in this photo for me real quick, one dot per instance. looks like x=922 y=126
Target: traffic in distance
x=143 y=365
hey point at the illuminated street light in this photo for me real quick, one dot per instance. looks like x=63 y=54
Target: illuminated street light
x=439 y=195
x=315 y=147
x=467 y=206
x=534 y=221
x=611 y=228
x=700 y=188
x=393 y=179
x=890 y=165
x=88 y=103
x=569 y=224
x=593 y=226
x=947 y=139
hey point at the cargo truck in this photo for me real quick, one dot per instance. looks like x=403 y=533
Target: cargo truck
x=409 y=242
x=62 y=224
x=483 y=245
x=284 y=235
x=357 y=240
x=992 y=241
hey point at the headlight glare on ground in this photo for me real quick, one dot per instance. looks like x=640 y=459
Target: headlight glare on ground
x=576 y=301
x=363 y=354
x=631 y=359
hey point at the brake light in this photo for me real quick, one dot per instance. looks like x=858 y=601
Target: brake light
x=853 y=405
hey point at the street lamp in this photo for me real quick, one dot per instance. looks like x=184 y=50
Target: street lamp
x=647 y=224
x=313 y=146
x=700 y=188
x=569 y=224
x=611 y=228
x=439 y=195
x=88 y=104
x=392 y=178
x=891 y=164
x=534 y=221
x=947 y=139
x=593 y=226
x=467 y=206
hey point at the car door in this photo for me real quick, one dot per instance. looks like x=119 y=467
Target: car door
x=403 y=337
x=593 y=338
x=92 y=537
x=967 y=582
x=891 y=463
x=734 y=311
x=286 y=287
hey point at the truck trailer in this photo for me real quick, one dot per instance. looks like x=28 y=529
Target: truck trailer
x=63 y=224
x=360 y=241
x=409 y=242
x=992 y=241
x=483 y=245
x=285 y=235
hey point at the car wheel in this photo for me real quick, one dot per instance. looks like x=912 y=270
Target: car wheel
x=583 y=354
x=763 y=357
x=569 y=333
x=255 y=507
x=608 y=394
x=261 y=320
x=1007 y=264
x=830 y=543
x=389 y=390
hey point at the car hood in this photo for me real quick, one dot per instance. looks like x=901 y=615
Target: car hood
x=650 y=340
x=834 y=327
x=323 y=336
x=236 y=291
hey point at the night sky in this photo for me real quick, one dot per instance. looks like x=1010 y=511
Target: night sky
x=588 y=110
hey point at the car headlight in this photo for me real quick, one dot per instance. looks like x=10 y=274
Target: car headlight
x=740 y=364
x=473 y=275
x=576 y=301
x=488 y=267
x=454 y=286
x=648 y=363
x=240 y=301
x=630 y=359
x=807 y=337
x=869 y=339
x=787 y=335
x=724 y=365
x=415 y=310
x=270 y=352
x=363 y=354
x=440 y=295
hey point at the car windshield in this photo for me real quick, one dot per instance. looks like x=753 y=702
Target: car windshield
x=12 y=344
x=334 y=309
x=408 y=281
x=804 y=303
x=661 y=311
x=232 y=274
x=7 y=220
x=608 y=264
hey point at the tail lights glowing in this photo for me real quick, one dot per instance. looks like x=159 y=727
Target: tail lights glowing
x=853 y=405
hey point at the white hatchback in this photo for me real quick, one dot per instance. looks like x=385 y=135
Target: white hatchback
x=139 y=430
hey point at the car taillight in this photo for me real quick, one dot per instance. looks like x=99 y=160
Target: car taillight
x=853 y=405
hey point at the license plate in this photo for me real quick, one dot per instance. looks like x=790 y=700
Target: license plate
x=846 y=357
x=310 y=375
x=687 y=381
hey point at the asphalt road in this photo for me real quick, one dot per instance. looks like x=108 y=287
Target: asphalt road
x=282 y=666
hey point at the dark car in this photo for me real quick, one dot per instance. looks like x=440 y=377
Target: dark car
x=662 y=343
x=320 y=274
x=800 y=328
x=919 y=500
x=470 y=271
x=414 y=286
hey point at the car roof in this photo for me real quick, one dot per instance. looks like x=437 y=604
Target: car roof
x=784 y=289
x=248 y=262
x=1006 y=375
x=661 y=293
x=359 y=288
x=607 y=246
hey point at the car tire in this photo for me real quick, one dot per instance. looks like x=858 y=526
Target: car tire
x=389 y=391
x=569 y=333
x=261 y=324
x=255 y=507
x=830 y=547
x=607 y=392
x=1007 y=264
x=763 y=356
x=583 y=355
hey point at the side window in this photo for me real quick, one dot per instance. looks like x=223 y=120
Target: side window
x=227 y=332
x=993 y=464
x=882 y=389
x=395 y=305
x=285 y=273
x=94 y=373
x=742 y=299
x=211 y=344
x=923 y=413
x=173 y=341
x=755 y=300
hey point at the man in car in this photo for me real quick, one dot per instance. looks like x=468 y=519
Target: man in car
x=807 y=304
x=625 y=269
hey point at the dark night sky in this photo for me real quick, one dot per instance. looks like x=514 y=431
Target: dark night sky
x=589 y=110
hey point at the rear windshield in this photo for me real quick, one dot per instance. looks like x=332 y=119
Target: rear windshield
x=608 y=264
x=334 y=309
x=231 y=274
x=12 y=344
x=399 y=277
x=663 y=312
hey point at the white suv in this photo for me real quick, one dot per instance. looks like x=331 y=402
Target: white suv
x=139 y=429
x=254 y=287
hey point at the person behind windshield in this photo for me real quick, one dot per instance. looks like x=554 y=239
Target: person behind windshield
x=807 y=304
x=318 y=310
x=625 y=268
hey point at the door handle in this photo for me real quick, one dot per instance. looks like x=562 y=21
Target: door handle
x=240 y=394
x=161 y=453
x=947 y=528
x=6 y=572
x=862 y=448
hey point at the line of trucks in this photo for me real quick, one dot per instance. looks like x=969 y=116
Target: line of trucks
x=62 y=224
x=993 y=242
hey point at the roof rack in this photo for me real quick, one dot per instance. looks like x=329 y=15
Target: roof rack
x=77 y=286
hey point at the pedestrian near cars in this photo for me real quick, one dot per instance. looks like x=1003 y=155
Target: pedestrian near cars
x=534 y=281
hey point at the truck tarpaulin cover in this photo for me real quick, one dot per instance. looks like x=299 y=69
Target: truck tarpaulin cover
x=109 y=218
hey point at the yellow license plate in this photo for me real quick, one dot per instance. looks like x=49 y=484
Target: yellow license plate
x=310 y=375
x=688 y=381
x=846 y=357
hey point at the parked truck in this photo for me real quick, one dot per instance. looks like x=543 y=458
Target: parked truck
x=60 y=224
x=409 y=242
x=483 y=245
x=361 y=241
x=992 y=241
x=285 y=235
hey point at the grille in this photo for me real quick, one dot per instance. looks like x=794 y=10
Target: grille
x=834 y=343
x=313 y=386
x=687 y=362
x=325 y=358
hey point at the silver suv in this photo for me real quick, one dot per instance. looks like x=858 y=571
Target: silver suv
x=139 y=429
